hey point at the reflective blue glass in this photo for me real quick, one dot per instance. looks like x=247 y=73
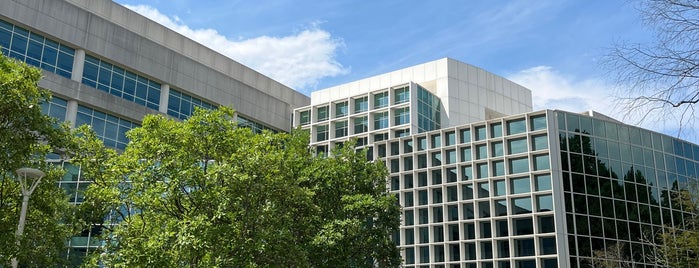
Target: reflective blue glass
x=110 y=129
x=182 y=106
x=36 y=50
x=121 y=83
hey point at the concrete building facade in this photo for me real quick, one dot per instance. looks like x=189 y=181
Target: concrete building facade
x=108 y=67
x=496 y=186
x=483 y=180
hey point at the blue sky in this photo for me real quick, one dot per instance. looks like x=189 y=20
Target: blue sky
x=550 y=46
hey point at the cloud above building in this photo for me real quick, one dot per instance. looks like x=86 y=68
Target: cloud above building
x=552 y=89
x=299 y=60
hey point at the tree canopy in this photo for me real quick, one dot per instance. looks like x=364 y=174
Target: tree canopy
x=26 y=137
x=206 y=193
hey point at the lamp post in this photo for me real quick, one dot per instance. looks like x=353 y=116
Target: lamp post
x=29 y=178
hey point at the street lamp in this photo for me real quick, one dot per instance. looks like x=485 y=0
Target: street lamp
x=29 y=178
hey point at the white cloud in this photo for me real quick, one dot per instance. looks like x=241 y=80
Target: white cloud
x=553 y=90
x=298 y=61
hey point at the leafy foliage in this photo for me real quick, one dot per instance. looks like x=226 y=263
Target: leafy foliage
x=26 y=137
x=205 y=193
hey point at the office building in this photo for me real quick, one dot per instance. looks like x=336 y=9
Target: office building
x=108 y=67
x=498 y=185
x=483 y=180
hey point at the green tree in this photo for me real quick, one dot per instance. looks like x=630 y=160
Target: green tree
x=206 y=193
x=26 y=137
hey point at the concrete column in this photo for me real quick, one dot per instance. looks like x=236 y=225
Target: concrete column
x=72 y=112
x=78 y=65
x=164 y=97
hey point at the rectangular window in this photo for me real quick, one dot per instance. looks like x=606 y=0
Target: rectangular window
x=465 y=154
x=322 y=113
x=520 y=185
x=340 y=129
x=110 y=129
x=340 y=109
x=480 y=133
x=465 y=135
x=119 y=82
x=481 y=151
x=305 y=117
x=538 y=122
x=496 y=130
x=540 y=142
x=360 y=125
x=516 y=146
x=401 y=95
x=436 y=141
x=380 y=100
x=519 y=165
x=516 y=126
x=541 y=162
x=497 y=149
x=401 y=116
x=361 y=105
x=380 y=120
x=321 y=133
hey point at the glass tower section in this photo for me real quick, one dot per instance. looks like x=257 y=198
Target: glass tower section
x=621 y=185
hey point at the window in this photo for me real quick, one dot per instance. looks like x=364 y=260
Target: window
x=465 y=135
x=450 y=138
x=466 y=173
x=380 y=120
x=497 y=149
x=305 y=117
x=481 y=151
x=380 y=100
x=322 y=113
x=360 y=125
x=110 y=129
x=538 y=122
x=522 y=205
x=500 y=189
x=516 y=126
x=543 y=182
x=480 y=133
x=520 y=185
x=540 y=142
x=498 y=168
x=401 y=95
x=516 y=146
x=182 y=106
x=465 y=154
x=436 y=141
x=361 y=105
x=482 y=171
x=421 y=143
x=519 y=165
x=544 y=203
x=496 y=130
x=340 y=109
x=340 y=129
x=436 y=159
x=408 y=146
x=34 y=49
x=541 y=162
x=402 y=116
x=321 y=133
x=55 y=108
x=451 y=156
